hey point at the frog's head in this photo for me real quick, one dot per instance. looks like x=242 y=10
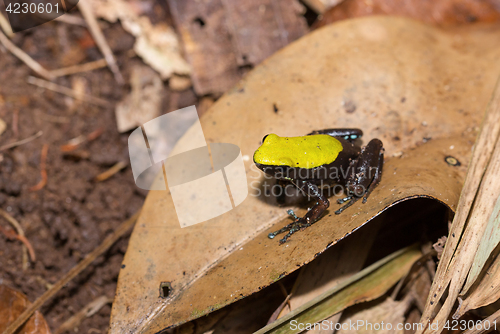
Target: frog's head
x=272 y=156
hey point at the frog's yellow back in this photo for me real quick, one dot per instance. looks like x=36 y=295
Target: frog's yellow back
x=304 y=152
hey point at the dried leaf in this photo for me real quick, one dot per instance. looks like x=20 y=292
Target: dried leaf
x=440 y=12
x=144 y=101
x=488 y=243
x=479 y=195
x=485 y=293
x=221 y=36
x=157 y=45
x=381 y=74
x=368 y=284
x=12 y=304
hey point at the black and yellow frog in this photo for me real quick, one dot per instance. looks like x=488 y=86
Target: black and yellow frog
x=321 y=157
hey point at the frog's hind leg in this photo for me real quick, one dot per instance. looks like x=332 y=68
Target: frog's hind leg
x=377 y=177
x=310 y=217
x=362 y=181
x=348 y=134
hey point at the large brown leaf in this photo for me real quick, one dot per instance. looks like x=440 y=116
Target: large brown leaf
x=398 y=80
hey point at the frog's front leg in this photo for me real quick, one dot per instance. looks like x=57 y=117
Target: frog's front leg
x=310 y=217
x=362 y=179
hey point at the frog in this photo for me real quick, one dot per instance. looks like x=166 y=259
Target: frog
x=322 y=157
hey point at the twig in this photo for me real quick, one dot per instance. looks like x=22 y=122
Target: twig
x=79 y=68
x=96 y=32
x=71 y=19
x=25 y=58
x=103 y=247
x=43 y=169
x=52 y=118
x=6 y=26
x=87 y=311
x=112 y=171
x=21 y=142
x=20 y=232
x=75 y=142
x=15 y=123
x=67 y=91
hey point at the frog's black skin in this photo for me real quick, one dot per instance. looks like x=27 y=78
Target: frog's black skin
x=358 y=178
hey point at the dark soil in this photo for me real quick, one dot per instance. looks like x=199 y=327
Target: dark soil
x=72 y=214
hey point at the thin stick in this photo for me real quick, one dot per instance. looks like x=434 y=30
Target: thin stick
x=43 y=169
x=96 y=32
x=15 y=122
x=87 y=311
x=112 y=171
x=93 y=65
x=24 y=57
x=6 y=26
x=21 y=142
x=71 y=19
x=75 y=142
x=20 y=233
x=67 y=91
x=103 y=247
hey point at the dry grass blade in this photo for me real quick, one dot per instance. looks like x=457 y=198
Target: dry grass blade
x=67 y=91
x=112 y=171
x=88 y=15
x=21 y=237
x=457 y=258
x=4 y=24
x=486 y=292
x=20 y=142
x=93 y=65
x=491 y=235
x=108 y=242
x=43 y=169
x=368 y=284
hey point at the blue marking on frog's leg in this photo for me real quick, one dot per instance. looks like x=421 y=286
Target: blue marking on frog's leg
x=352 y=200
x=291 y=213
x=347 y=134
x=343 y=200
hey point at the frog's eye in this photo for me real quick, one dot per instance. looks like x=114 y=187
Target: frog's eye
x=263 y=139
